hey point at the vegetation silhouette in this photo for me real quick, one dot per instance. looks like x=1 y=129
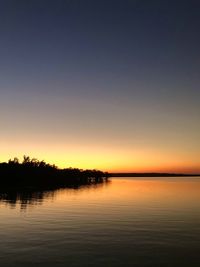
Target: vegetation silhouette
x=35 y=173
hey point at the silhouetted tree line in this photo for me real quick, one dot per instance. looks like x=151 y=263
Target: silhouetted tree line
x=32 y=172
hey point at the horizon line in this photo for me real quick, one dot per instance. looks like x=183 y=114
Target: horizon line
x=153 y=173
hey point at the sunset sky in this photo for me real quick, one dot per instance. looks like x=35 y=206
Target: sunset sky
x=112 y=85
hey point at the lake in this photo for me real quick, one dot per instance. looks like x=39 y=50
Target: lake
x=122 y=222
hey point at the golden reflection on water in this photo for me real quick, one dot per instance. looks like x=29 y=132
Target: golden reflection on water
x=134 y=197
x=141 y=192
x=168 y=190
x=151 y=221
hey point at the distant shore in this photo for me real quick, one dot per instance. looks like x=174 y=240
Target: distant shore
x=152 y=174
x=33 y=173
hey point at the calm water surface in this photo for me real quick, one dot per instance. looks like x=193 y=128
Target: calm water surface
x=125 y=222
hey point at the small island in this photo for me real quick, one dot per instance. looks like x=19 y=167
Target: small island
x=35 y=173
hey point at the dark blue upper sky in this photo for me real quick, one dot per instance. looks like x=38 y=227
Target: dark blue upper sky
x=116 y=64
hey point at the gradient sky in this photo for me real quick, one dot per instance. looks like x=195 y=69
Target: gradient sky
x=112 y=85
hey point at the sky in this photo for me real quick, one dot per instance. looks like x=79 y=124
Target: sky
x=111 y=85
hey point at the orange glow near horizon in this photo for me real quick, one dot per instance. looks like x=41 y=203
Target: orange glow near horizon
x=106 y=158
x=118 y=95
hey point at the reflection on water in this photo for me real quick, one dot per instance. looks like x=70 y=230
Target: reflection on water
x=125 y=222
x=28 y=196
